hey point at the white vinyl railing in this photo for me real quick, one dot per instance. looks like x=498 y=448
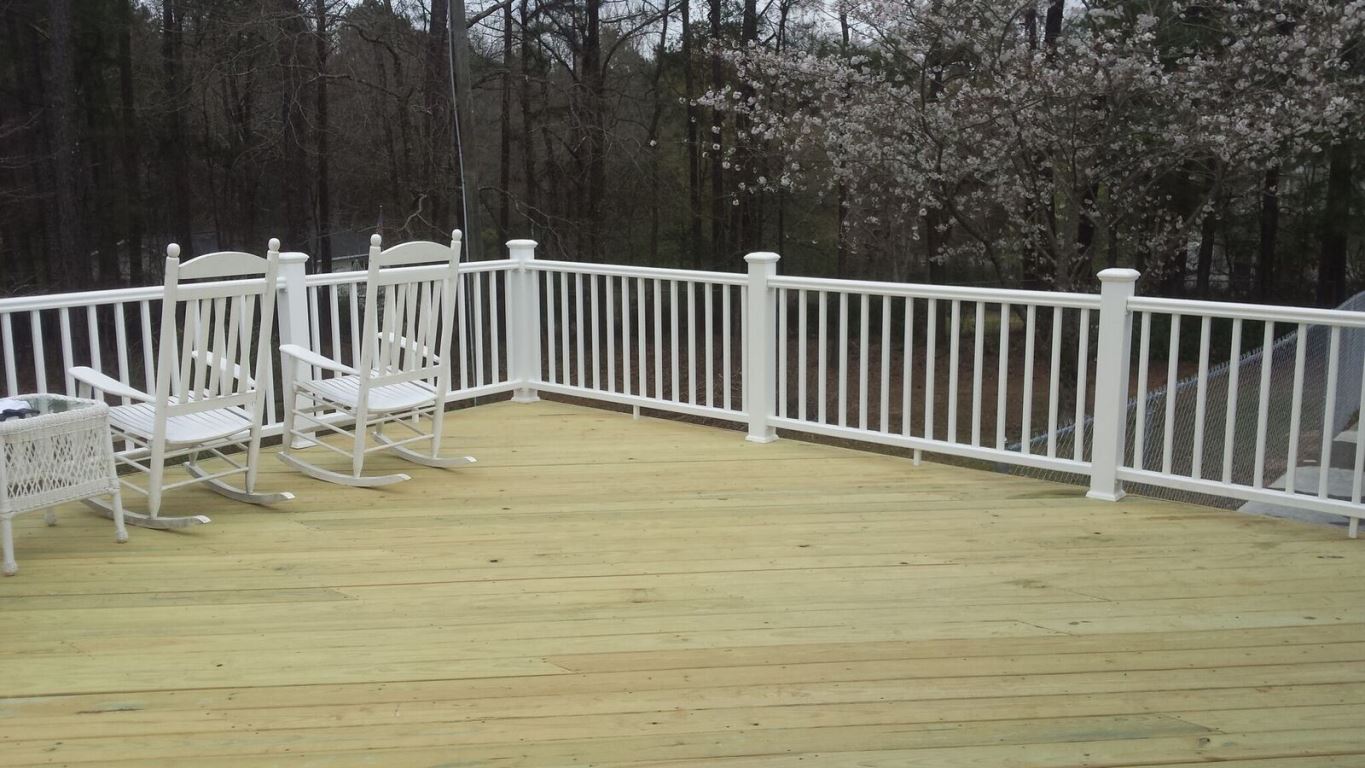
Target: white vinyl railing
x=656 y=338
x=890 y=396
x=1022 y=378
x=43 y=337
x=1266 y=419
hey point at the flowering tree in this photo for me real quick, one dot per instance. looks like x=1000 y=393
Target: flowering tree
x=1110 y=135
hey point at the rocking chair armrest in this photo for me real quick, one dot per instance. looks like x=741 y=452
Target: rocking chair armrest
x=406 y=343
x=107 y=385
x=309 y=357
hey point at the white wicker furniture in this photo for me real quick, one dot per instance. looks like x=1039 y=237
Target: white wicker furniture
x=402 y=377
x=212 y=377
x=63 y=453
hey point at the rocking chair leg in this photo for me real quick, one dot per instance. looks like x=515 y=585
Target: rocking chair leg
x=155 y=482
x=10 y=567
x=253 y=455
x=120 y=531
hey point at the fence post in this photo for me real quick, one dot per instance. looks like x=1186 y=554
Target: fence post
x=760 y=369
x=523 y=308
x=1113 y=350
x=292 y=309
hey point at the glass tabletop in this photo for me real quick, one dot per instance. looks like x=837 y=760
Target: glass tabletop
x=40 y=405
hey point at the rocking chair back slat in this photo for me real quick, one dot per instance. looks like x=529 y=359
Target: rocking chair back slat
x=231 y=385
x=250 y=321
x=218 y=353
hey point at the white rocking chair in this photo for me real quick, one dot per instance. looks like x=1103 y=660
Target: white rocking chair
x=212 y=378
x=401 y=378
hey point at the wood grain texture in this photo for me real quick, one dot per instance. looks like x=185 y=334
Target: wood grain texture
x=604 y=591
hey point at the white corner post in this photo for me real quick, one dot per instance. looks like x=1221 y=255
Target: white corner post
x=524 y=311
x=292 y=309
x=1113 y=351
x=760 y=369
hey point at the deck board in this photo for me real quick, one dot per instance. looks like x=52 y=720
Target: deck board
x=608 y=591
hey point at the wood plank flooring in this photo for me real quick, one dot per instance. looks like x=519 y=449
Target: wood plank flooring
x=604 y=591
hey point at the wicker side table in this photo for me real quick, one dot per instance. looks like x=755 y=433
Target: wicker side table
x=62 y=453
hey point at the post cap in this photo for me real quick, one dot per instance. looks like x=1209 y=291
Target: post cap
x=1119 y=275
x=762 y=257
x=522 y=243
x=274 y=244
x=375 y=240
x=293 y=257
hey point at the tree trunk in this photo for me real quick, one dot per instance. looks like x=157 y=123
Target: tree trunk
x=439 y=169
x=295 y=141
x=784 y=9
x=321 y=131
x=594 y=82
x=840 y=193
x=694 y=247
x=31 y=217
x=1270 y=229
x=1084 y=268
x=1052 y=24
x=1208 y=231
x=177 y=152
x=463 y=124
x=528 y=147
x=505 y=130
x=719 y=251
x=130 y=154
x=749 y=197
x=69 y=241
x=1335 y=226
x=654 y=147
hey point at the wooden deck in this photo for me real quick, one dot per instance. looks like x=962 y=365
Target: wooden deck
x=605 y=591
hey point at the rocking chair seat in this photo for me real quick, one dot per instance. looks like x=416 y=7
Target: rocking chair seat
x=140 y=419
x=345 y=391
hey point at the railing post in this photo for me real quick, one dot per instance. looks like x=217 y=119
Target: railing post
x=523 y=308
x=1113 y=351
x=760 y=370
x=292 y=309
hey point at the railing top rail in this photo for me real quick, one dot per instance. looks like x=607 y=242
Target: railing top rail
x=948 y=292
x=358 y=275
x=492 y=265
x=1308 y=315
x=335 y=278
x=81 y=298
x=686 y=275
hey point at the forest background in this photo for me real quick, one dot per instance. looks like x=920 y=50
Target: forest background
x=1214 y=146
